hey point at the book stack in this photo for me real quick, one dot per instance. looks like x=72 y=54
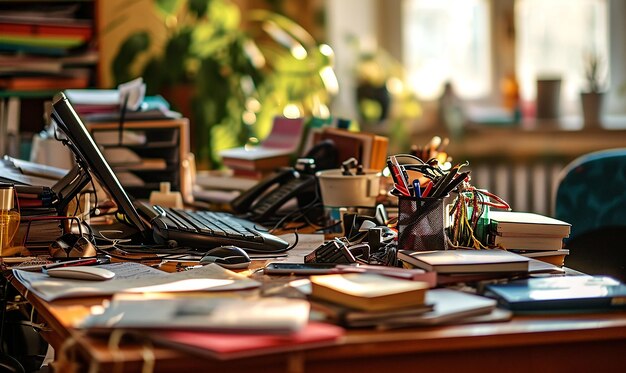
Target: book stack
x=532 y=235
x=367 y=299
x=368 y=149
x=277 y=150
x=46 y=47
x=104 y=105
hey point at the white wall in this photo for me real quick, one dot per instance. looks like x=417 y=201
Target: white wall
x=346 y=17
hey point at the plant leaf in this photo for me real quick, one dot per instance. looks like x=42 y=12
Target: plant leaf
x=167 y=7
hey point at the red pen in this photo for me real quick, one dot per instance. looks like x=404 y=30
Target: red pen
x=427 y=189
x=398 y=176
x=72 y=263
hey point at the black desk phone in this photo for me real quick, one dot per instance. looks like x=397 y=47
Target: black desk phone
x=264 y=199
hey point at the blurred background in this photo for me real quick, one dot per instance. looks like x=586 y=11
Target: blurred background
x=505 y=80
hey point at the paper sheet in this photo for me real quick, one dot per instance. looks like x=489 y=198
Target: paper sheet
x=136 y=278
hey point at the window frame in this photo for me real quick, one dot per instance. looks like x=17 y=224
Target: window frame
x=502 y=18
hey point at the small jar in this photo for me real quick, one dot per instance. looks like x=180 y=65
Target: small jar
x=9 y=220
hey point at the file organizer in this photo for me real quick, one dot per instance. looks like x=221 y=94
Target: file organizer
x=162 y=154
x=421 y=224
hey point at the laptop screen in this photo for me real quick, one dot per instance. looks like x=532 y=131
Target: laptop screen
x=91 y=159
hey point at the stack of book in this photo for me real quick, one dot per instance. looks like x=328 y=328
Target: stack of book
x=532 y=235
x=46 y=47
x=366 y=299
x=277 y=150
x=105 y=105
x=369 y=149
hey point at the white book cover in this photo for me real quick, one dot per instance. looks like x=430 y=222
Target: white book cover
x=529 y=242
x=465 y=261
x=267 y=315
x=448 y=306
x=513 y=223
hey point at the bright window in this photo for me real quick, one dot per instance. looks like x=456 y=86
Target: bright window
x=447 y=40
x=554 y=38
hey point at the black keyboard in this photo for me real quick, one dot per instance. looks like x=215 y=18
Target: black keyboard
x=203 y=230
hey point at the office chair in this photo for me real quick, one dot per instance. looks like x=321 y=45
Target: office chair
x=591 y=195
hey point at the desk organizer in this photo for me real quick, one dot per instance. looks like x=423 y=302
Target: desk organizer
x=421 y=224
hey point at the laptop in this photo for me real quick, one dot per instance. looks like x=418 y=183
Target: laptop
x=199 y=230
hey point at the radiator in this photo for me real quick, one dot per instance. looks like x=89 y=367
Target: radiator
x=527 y=187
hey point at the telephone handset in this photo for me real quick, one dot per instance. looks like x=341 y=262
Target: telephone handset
x=265 y=198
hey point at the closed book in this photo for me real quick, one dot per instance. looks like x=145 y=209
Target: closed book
x=359 y=319
x=465 y=261
x=257 y=160
x=450 y=306
x=527 y=242
x=225 y=346
x=507 y=223
x=25 y=83
x=367 y=291
x=283 y=142
x=556 y=257
x=562 y=293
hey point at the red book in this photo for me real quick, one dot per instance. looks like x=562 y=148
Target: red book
x=82 y=32
x=224 y=346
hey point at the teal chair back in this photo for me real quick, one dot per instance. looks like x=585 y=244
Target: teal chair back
x=591 y=195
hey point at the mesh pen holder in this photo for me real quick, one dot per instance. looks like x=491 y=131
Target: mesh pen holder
x=421 y=224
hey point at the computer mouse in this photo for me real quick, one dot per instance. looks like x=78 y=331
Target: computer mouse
x=81 y=273
x=231 y=257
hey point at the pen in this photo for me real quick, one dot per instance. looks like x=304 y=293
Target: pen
x=72 y=263
x=397 y=176
x=427 y=189
x=416 y=188
x=454 y=183
x=401 y=179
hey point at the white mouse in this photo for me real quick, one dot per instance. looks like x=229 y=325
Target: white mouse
x=81 y=273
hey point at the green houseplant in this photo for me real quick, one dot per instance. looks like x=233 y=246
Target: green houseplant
x=232 y=81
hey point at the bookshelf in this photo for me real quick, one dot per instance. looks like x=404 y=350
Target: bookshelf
x=162 y=148
x=45 y=47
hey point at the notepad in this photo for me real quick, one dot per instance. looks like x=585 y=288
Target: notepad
x=465 y=261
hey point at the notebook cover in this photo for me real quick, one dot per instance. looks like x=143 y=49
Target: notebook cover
x=563 y=293
x=226 y=346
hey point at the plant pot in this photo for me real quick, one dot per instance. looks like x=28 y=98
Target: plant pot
x=592 y=109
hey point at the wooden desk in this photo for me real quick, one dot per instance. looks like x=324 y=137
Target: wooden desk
x=572 y=343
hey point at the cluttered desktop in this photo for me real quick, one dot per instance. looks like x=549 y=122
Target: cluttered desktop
x=349 y=258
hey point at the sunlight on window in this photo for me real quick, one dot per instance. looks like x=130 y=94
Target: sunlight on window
x=553 y=38
x=447 y=40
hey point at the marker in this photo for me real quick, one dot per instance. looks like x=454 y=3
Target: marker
x=416 y=189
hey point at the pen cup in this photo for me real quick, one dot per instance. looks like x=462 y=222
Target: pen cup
x=421 y=224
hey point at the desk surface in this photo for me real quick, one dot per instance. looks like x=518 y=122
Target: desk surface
x=581 y=342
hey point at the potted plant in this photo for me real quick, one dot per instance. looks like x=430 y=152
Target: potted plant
x=232 y=79
x=592 y=98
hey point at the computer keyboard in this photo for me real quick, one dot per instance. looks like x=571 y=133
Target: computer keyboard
x=203 y=230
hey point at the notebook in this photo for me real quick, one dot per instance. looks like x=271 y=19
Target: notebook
x=562 y=293
x=465 y=261
x=200 y=230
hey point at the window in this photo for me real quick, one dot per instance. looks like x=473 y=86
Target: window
x=554 y=38
x=447 y=40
